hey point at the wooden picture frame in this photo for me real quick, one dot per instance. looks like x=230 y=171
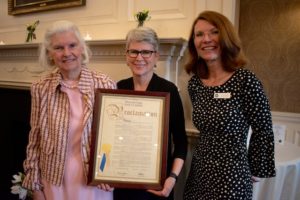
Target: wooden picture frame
x=17 y=7
x=129 y=139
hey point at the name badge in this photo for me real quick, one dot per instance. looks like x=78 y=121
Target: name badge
x=222 y=95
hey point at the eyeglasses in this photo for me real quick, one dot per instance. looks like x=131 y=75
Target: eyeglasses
x=132 y=53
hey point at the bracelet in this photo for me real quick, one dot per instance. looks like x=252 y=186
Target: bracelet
x=173 y=175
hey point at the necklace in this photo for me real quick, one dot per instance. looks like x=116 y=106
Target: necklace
x=75 y=85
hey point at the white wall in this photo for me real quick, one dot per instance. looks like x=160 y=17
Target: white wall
x=111 y=19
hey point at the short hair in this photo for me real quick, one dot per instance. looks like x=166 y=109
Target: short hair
x=231 y=48
x=143 y=34
x=61 y=27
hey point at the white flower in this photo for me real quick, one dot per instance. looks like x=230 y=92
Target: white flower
x=23 y=193
x=17 y=187
x=18 y=178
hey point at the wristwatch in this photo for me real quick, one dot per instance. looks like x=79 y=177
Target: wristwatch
x=173 y=175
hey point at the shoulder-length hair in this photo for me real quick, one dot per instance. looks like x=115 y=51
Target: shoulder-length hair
x=61 y=27
x=232 y=55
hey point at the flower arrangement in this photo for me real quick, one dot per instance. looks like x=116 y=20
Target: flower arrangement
x=141 y=17
x=18 y=189
x=30 y=31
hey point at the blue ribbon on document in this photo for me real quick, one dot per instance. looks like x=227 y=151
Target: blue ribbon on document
x=103 y=161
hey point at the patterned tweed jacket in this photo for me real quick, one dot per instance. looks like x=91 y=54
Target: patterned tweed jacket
x=46 y=150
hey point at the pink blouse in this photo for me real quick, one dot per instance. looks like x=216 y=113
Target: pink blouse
x=74 y=185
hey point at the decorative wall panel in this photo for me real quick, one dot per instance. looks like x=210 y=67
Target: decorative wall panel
x=270 y=33
x=167 y=9
x=112 y=19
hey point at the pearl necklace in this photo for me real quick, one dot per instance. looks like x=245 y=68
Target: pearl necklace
x=75 y=85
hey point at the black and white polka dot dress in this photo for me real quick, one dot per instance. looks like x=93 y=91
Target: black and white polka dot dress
x=222 y=166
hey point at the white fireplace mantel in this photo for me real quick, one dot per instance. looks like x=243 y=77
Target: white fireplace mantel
x=19 y=65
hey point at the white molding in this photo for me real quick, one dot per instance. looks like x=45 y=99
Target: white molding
x=226 y=7
x=291 y=122
x=286 y=116
x=19 y=63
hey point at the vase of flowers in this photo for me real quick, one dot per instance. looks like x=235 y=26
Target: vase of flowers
x=141 y=17
x=30 y=31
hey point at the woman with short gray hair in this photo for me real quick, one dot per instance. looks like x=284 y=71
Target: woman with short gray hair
x=58 y=150
x=142 y=54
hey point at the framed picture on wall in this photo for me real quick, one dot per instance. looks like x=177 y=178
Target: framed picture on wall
x=16 y=7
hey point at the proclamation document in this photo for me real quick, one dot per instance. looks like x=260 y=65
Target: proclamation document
x=129 y=144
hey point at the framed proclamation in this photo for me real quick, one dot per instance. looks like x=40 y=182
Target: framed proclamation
x=129 y=139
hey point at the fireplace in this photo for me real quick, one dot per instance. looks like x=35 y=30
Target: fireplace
x=19 y=66
x=14 y=128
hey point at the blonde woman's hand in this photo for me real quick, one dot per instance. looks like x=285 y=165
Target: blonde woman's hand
x=105 y=187
x=38 y=195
